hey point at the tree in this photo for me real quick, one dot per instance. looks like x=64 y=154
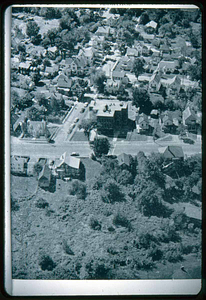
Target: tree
x=99 y=81
x=150 y=201
x=138 y=67
x=36 y=40
x=36 y=78
x=79 y=189
x=32 y=29
x=14 y=97
x=141 y=99
x=101 y=146
x=112 y=192
x=88 y=125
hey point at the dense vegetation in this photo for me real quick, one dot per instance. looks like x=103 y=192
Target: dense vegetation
x=120 y=224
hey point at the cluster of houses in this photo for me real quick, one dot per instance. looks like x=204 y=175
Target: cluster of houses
x=169 y=121
x=64 y=167
x=162 y=69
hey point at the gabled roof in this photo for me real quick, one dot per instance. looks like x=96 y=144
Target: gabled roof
x=63 y=81
x=52 y=49
x=45 y=173
x=118 y=74
x=25 y=65
x=104 y=30
x=71 y=161
x=187 y=113
x=156 y=77
x=152 y=24
x=131 y=51
x=167 y=64
x=123 y=159
x=172 y=151
x=69 y=61
x=143 y=118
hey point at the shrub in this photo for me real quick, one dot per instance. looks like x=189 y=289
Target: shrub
x=154 y=252
x=46 y=263
x=146 y=239
x=79 y=189
x=14 y=205
x=121 y=220
x=97 y=269
x=111 y=229
x=94 y=224
x=173 y=253
x=66 y=248
x=41 y=203
x=112 y=251
x=112 y=192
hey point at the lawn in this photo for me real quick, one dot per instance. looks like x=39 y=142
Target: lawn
x=79 y=136
x=133 y=136
x=92 y=167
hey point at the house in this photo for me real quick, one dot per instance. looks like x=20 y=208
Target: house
x=118 y=75
x=112 y=86
x=87 y=53
x=167 y=66
x=153 y=124
x=151 y=26
x=142 y=123
x=19 y=165
x=164 y=50
x=124 y=160
x=155 y=83
x=24 y=67
x=147 y=37
x=103 y=31
x=52 y=52
x=37 y=129
x=71 y=65
x=63 y=84
x=173 y=86
x=132 y=78
x=30 y=166
x=169 y=124
x=172 y=152
x=189 y=119
x=145 y=50
x=154 y=113
x=132 y=52
x=44 y=178
x=15 y=63
x=145 y=78
x=69 y=166
x=125 y=63
x=51 y=71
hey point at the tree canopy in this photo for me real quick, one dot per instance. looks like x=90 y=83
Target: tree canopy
x=101 y=146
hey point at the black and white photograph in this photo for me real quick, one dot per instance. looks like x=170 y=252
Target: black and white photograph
x=105 y=142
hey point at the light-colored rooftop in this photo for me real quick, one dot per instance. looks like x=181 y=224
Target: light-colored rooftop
x=108 y=107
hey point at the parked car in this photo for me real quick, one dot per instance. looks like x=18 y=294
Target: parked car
x=82 y=110
x=75 y=154
x=76 y=120
x=188 y=141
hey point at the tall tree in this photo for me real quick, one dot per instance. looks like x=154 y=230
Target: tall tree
x=138 y=67
x=32 y=29
x=101 y=146
x=141 y=99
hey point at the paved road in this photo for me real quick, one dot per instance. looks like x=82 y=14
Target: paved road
x=83 y=148
x=63 y=133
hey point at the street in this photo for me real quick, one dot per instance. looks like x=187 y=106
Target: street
x=20 y=147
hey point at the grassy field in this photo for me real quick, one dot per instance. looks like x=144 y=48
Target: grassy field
x=79 y=136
